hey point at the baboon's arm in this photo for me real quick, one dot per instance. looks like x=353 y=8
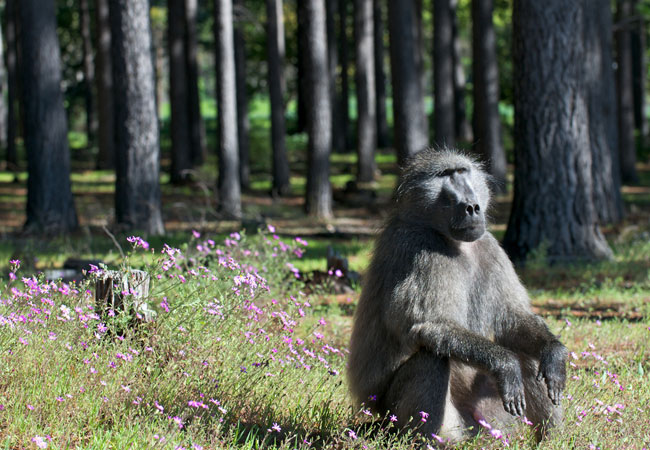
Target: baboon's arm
x=448 y=339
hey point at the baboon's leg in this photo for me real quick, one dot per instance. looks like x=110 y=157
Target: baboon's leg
x=421 y=385
x=539 y=408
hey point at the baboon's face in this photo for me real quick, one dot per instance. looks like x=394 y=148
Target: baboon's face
x=458 y=210
x=445 y=191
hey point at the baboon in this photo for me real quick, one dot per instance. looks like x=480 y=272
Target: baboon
x=443 y=325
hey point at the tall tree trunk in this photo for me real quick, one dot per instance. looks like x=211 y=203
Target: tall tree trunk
x=50 y=207
x=380 y=75
x=3 y=89
x=12 y=83
x=411 y=134
x=181 y=151
x=419 y=45
x=104 y=81
x=158 y=52
x=331 y=10
x=344 y=97
x=229 y=187
x=603 y=129
x=624 y=79
x=197 y=127
x=137 y=140
x=443 y=74
x=275 y=55
x=639 y=68
x=89 y=72
x=303 y=95
x=462 y=127
x=553 y=207
x=243 y=124
x=365 y=86
x=319 y=118
x=487 y=127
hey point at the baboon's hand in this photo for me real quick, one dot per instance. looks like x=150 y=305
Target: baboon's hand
x=511 y=386
x=552 y=369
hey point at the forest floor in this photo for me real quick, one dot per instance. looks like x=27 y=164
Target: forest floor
x=150 y=389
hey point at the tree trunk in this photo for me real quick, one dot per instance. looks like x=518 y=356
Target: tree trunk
x=419 y=46
x=319 y=118
x=275 y=54
x=197 y=127
x=553 y=209
x=301 y=31
x=137 y=140
x=411 y=134
x=243 y=124
x=12 y=83
x=624 y=79
x=229 y=187
x=365 y=86
x=344 y=97
x=443 y=74
x=3 y=89
x=89 y=72
x=487 y=127
x=383 y=139
x=181 y=150
x=637 y=38
x=601 y=91
x=462 y=127
x=104 y=81
x=50 y=207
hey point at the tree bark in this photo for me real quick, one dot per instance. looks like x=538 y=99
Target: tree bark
x=624 y=79
x=12 y=84
x=181 y=150
x=243 y=124
x=462 y=127
x=331 y=10
x=3 y=89
x=487 y=126
x=383 y=139
x=302 y=94
x=365 y=87
x=553 y=209
x=197 y=127
x=275 y=55
x=137 y=144
x=411 y=134
x=89 y=72
x=50 y=206
x=603 y=129
x=104 y=82
x=319 y=112
x=639 y=67
x=229 y=187
x=443 y=74
x=344 y=96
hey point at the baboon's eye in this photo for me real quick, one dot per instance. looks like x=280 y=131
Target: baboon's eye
x=450 y=172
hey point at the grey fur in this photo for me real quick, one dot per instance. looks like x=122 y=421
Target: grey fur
x=443 y=324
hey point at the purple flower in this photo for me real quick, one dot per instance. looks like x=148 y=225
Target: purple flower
x=39 y=441
x=424 y=415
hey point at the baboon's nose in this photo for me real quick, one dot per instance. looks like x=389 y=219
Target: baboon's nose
x=472 y=210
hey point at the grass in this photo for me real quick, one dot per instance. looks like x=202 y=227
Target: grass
x=238 y=357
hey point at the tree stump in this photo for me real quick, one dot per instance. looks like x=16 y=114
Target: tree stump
x=124 y=292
